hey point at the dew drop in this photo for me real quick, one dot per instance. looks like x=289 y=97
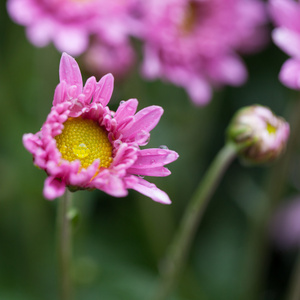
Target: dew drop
x=122 y=102
x=163 y=147
x=81 y=150
x=117 y=143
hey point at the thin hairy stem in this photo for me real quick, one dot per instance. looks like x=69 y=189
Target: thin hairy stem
x=64 y=232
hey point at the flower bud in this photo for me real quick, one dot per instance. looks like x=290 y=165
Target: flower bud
x=260 y=136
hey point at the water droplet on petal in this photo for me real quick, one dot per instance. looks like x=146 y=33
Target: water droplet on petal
x=163 y=147
x=117 y=143
x=122 y=102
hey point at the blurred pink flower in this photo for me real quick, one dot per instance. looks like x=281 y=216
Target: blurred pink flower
x=195 y=44
x=285 y=225
x=101 y=58
x=85 y=145
x=69 y=23
x=286 y=35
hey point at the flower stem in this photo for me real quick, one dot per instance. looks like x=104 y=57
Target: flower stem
x=180 y=246
x=64 y=246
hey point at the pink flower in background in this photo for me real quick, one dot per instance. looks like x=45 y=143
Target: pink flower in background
x=85 y=145
x=286 y=35
x=101 y=58
x=285 y=224
x=69 y=23
x=195 y=44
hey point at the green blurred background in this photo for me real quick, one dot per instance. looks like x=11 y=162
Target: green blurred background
x=119 y=243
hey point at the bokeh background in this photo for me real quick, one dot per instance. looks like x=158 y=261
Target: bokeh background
x=119 y=243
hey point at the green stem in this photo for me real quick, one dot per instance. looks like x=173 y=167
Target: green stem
x=181 y=244
x=64 y=246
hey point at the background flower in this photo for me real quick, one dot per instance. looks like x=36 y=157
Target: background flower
x=286 y=35
x=70 y=23
x=285 y=225
x=195 y=44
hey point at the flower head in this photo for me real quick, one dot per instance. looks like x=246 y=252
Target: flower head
x=85 y=145
x=195 y=43
x=260 y=135
x=286 y=35
x=70 y=23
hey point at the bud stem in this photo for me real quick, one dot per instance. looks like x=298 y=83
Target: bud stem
x=182 y=241
x=64 y=245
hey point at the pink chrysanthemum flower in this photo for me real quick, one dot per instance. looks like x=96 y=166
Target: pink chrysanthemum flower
x=195 y=44
x=85 y=145
x=286 y=35
x=69 y=23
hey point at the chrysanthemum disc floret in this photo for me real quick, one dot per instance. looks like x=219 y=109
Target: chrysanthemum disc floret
x=85 y=140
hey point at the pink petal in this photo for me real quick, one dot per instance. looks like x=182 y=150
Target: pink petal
x=21 y=11
x=151 y=66
x=148 y=189
x=228 y=70
x=290 y=74
x=69 y=72
x=152 y=158
x=40 y=33
x=53 y=188
x=158 y=171
x=31 y=142
x=145 y=120
x=199 y=91
x=125 y=123
x=89 y=89
x=124 y=157
x=111 y=184
x=104 y=89
x=285 y=13
x=126 y=109
x=83 y=177
x=287 y=40
x=70 y=39
x=59 y=94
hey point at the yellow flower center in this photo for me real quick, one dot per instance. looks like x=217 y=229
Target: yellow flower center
x=271 y=129
x=85 y=140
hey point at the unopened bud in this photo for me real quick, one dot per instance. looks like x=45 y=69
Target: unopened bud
x=259 y=135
